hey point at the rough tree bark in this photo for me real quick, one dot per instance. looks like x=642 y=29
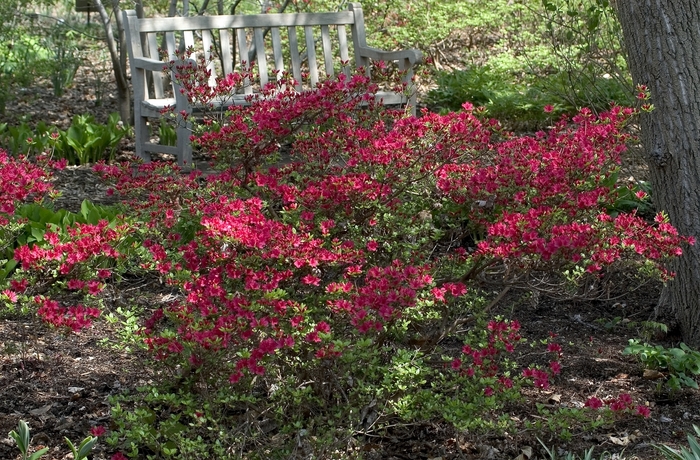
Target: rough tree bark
x=117 y=53
x=663 y=45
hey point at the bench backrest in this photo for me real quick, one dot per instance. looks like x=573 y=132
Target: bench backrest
x=308 y=46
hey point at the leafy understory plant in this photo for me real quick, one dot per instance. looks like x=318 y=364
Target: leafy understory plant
x=692 y=452
x=587 y=455
x=680 y=364
x=23 y=439
x=85 y=141
x=83 y=450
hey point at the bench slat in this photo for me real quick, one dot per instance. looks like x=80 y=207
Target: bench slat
x=208 y=46
x=243 y=56
x=260 y=52
x=311 y=55
x=296 y=58
x=226 y=56
x=157 y=76
x=241 y=21
x=170 y=45
x=344 y=52
x=189 y=42
x=277 y=52
x=327 y=50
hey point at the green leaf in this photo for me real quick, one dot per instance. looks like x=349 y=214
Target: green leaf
x=85 y=447
x=549 y=6
x=38 y=454
x=38 y=232
x=85 y=208
x=694 y=447
x=7 y=268
x=593 y=22
x=21 y=437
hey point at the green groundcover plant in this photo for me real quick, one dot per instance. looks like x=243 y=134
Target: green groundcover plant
x=325 y=274
x=681 y=364
x=83 y=142
x=22 y=438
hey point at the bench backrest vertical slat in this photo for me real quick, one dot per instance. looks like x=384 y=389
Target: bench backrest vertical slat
x=170 y=45
x=311 y=55
x=188 y=39
x=277 y=52
x=207 y=44
x=153 y=52
x=243 y=56
x=259 y=41
x=294 y=54
x=327 y=50
x=344 y=52
x=226 y=55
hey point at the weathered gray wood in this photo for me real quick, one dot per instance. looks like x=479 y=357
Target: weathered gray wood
x=138 y=80
x=311 y=54
x=208 y=46
x=329 y=31
x=226 y=55
x=157 y=75
x=239 y=21
x=259 y=41
x=170 y=45
x=277 y=52
x=243 y=56
x=327 y=50
x=296 y=58
x=359 y=40
x=344 y=52
x=189 y=42
x=144 y=63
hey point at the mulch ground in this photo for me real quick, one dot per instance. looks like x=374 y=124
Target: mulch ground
x=60 y=384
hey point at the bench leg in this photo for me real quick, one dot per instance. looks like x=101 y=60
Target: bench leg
x=142 y=137
x=184 y=146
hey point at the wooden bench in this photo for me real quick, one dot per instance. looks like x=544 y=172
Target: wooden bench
x=295 y=43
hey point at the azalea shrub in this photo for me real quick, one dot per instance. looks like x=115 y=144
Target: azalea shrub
x=328 y=278
x=21 y=181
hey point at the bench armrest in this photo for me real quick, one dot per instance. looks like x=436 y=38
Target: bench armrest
x=414 y=56
x=148 y=64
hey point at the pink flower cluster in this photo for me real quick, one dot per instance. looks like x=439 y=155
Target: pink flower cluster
x=486 y=361
x=545 y=195
x=20 y=181
x=623 y=403
x=86 y=245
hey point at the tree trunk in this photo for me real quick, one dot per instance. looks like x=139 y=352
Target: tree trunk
x=117 y=53
x=663 y=46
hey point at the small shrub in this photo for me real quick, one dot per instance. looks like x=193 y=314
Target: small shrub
x=692 y=452
x=84 y=142
x=681 y=363
x=26 y=140
x=516 y=105
x=22 y=438
x=88 y=142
